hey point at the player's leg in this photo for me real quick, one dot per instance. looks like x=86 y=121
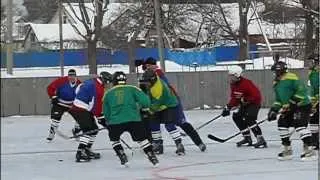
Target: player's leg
x=314 y=127
x=301 y=119
x=115 y=132
x=251 y=120
x=188 y=128
x=139 y=134
x=284 y=123
x=169 y=117
x=238 y=119
x=157 y=141
x=56 y=114
x=83 y=118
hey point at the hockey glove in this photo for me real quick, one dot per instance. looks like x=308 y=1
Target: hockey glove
x=102 y=121
x=225 y=111
x=54 y=100
x=272 y=115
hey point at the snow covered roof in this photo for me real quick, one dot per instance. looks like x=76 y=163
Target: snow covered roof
x=50 y=32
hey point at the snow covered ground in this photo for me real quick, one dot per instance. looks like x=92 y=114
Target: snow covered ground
x=26 y=155
x=259 y=63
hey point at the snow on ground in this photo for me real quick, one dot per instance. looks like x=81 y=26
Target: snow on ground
x=259 y=63
x=26 y=155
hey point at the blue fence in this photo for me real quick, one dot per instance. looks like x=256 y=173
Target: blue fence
x=79 y=57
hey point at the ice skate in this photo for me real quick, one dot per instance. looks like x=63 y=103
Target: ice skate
x=123 y=158
x=152 y=158
x=261 y=143
x=286 y=154
x=180 y=148
x=315 y=141
x=308 y=154
x=51 y=135
x=202 y=147
x=157 y=147
x=246 y=140
x=82 y=155
x=93 y=155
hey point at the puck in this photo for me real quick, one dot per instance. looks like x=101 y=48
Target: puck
x=60 y=160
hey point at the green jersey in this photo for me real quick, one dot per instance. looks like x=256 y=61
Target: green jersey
x=122 y=103
x=161 y=96
x=289 y=89
x=314 y=83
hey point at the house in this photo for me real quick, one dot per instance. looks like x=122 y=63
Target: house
x=46 y=36
x=42 y=37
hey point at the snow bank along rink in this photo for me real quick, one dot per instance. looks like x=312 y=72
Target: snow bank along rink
x=27 y=156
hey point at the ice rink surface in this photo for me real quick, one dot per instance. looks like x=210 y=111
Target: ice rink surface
x=25 y=154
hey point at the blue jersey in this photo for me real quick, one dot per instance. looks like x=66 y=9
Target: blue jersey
x=89 y=96
x=63 y=89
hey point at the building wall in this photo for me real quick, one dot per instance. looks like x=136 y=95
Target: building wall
x=27 y=96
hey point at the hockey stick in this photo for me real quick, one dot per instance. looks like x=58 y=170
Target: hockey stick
x=204 y=124
x=78 y=135
x=210 y=136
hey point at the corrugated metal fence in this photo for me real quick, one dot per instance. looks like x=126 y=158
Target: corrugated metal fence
x=27 y=96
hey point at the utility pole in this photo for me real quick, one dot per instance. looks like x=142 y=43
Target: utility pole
x=159 y=32
x=9 y=37
x=61 y=39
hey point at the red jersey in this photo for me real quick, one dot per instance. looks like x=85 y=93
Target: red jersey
x=244 y=91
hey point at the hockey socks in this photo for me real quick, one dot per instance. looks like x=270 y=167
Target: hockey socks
x=53 y=127
x=120 y=152
x=147 y=148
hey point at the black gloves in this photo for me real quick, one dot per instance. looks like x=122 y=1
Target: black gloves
x=54 y=100
x=102 y=121
x=272 y=115
x=226 y=111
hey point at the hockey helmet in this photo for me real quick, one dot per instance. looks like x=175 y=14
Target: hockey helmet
x=119 y=77
x=280 y=68
x=151 y=61
x=72 y=72
x=235 y=71
x=149 y=76
x=105 y=77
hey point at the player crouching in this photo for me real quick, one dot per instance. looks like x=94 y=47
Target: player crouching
x=121 y=108
x=86 y=107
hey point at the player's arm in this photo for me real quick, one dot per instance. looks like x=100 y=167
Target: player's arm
x=54 y=85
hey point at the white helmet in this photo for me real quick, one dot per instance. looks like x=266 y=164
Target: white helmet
x=235 y=70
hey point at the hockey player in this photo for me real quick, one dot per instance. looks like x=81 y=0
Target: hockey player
x=164 y=109
x=61 y=91
x=86 y=107
x=181 y=121
x=121 y=107
x=291 y=97
x=314 y=83
x=246 y=95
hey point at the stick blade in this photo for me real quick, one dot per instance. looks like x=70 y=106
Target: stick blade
x=212 y=137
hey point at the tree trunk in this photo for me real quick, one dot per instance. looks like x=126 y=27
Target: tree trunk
x=92 y=57
x=131 y=57
x=243 y=30
x=309 y=48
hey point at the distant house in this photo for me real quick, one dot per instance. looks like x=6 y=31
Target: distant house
x=46 y=37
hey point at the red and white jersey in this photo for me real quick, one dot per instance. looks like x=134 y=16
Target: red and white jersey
x=244 y=91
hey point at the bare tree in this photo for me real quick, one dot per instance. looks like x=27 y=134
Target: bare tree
x=310 y=27
x=90 y=29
